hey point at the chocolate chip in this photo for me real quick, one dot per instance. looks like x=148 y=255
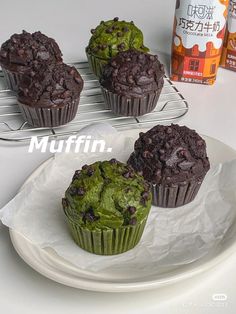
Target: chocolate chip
x=133 y=221
x=92 y=31
x=162 y=151
x=80 y=191
x=115 y=73
x=90 y=171
x=64 y=202
x=85 y=167
x=169 y=130
x=121 y=46
x=126 y=175
x=73 y=190
x=148 y=140
x=49 y=88
x=3 y=54
x=21 y=52
x=125 y=29
x=113 y=63
x=147 y=154
x=141 y=56
x=143 y=201
x=113 y=161
x=130 y=79
x=183 y=153
x=109 y=30
x=158 y=172
x=152 y=58
x=103 y=47
x=132 y=210
x=186 y=165
x=200 y=142
x=145 y=195
x=76 y=175
x=90 y=216
x=116 y=19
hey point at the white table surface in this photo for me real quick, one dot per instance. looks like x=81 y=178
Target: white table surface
x=212 y=112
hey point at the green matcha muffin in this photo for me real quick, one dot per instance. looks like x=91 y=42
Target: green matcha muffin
x=107 y=205
x=109 y=38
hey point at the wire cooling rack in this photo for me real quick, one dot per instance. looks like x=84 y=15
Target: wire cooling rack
x=171 y=106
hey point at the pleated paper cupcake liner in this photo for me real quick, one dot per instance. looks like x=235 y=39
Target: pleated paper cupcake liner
x=106 y=242
x=12 y=79
x=49 y=117
x=135 y=107
x=96 y=64
x=175 y=196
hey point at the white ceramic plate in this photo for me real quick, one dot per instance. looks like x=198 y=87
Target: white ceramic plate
x=49 y=264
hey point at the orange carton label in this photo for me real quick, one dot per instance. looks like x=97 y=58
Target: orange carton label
x=228 y=59
x=199 y=29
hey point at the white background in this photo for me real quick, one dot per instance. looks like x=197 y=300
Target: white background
x=212 y=112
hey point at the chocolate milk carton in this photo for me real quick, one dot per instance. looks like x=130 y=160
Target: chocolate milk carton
x=199 y=30
x=228 y=59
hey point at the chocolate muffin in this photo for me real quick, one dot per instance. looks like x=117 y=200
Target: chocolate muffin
x=18 y=53
x=174 y=160
x=132 y=82
x=109 y=38
x=106 y=206
x=49 y=95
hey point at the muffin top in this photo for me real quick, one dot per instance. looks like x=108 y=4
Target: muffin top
x=52 y=85
x=133 y=74
x=18 y=52
x=170 y=155
x=107 y=195
x=113 y=36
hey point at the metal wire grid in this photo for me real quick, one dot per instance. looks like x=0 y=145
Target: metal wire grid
x=171 y=106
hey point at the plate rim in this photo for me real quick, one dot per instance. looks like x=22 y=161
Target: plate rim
x=81 y=283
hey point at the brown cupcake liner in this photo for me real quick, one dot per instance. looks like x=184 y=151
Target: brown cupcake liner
x=175 y=196
x=135 y=107
x=49 y=117
x=106 y=242
x=12 y=79
x=96 y=64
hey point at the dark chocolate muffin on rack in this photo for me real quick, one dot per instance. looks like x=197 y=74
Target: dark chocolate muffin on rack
x=132 y=82
x=174 y=160
x=49 y=95
x=18 y=53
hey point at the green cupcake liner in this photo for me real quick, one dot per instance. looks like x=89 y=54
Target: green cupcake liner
x=106 y=242
x=96 y=64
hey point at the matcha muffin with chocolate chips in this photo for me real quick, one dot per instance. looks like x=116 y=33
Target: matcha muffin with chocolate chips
x=109 y=38
x=107 y=205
